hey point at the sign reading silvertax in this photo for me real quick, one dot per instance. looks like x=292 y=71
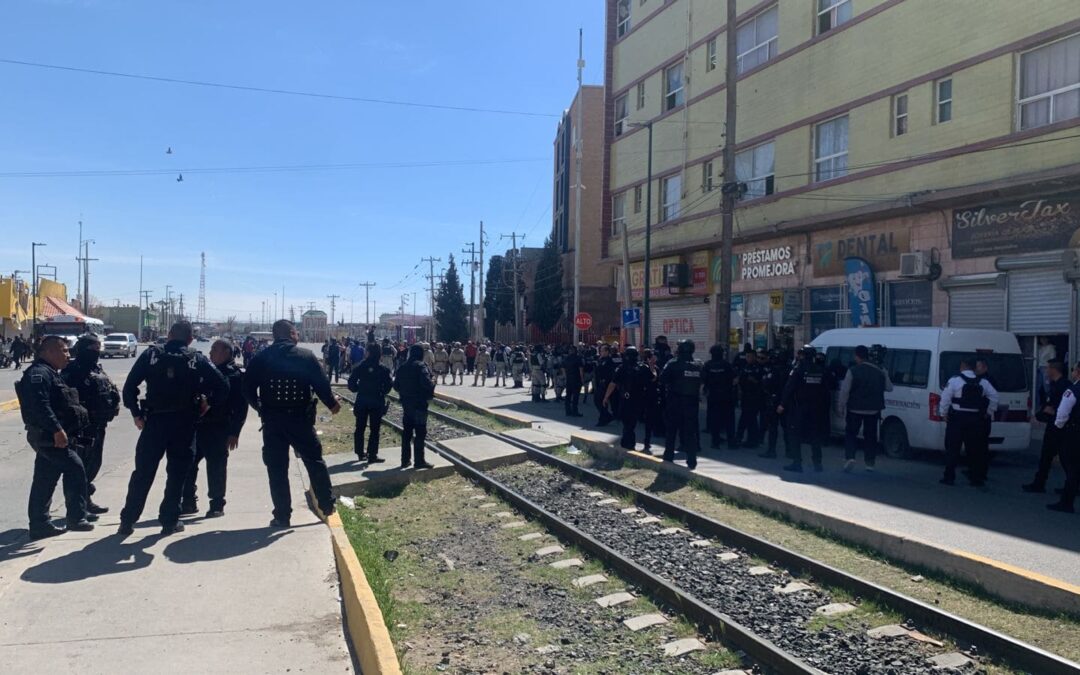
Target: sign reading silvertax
x=1042 y=224
x=881 y=250
x=766 y=263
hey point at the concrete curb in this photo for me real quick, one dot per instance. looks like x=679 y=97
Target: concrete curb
x=13 y=404
x=504 y=417
x=363 y=619
x=1005 y=581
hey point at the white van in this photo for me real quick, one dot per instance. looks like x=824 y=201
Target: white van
x=920 y=361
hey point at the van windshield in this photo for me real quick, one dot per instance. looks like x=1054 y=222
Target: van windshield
x=1006 y=371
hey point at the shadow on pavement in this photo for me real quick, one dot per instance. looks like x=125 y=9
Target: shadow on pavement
x=222 y=544
x=111 y=555
x=15 y=543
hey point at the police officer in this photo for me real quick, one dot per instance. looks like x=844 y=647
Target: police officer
x=629 y=383
x=175 y=377
x=372 y=382
x=1053 y=436
x=54 y=418
x=217 y=434
x=101 y=398
x=681 y=382
x=718 y=379
x=966 y=400
x=773 y=379
x=416 y=386
x=603 y=374
x=1067 y=420
x=751 y=400
x=573 y=368
x=279 y=386
x=805 y=404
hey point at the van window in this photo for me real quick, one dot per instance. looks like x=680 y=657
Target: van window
x=908 y=367
x=1006 y=370
x=838 y=360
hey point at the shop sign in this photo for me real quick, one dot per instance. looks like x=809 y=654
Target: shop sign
x=767 y=263
x=862 y=292
x=699 y=263
x=1041 y=224
x=910 y=303
x=881 y=250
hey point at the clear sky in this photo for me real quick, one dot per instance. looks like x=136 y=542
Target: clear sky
x=317 y=232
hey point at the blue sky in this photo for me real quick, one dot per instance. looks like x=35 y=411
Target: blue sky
x=316 y=232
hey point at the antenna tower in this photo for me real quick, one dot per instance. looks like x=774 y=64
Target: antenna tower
x=200 y=316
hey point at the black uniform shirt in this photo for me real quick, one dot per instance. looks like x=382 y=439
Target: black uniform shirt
x=719 y=379
x=47 y=402
x=632 y=380
x=371 y=381
x=573 y=366
x=208 y=380
x=681 y=380
x=413 y=381
x=233 y=414
x=283 y=361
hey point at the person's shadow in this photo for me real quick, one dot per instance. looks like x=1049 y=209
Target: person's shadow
x=111 y=555
x=15 y=543
x=222 y=544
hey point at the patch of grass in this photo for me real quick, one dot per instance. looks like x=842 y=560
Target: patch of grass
x=337 y=432
x=720 y=659
x=369 y=544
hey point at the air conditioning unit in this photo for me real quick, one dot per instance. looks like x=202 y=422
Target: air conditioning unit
x=914 y=265
x=677 y=275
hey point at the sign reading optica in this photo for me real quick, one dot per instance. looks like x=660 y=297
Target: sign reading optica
x=765 y=263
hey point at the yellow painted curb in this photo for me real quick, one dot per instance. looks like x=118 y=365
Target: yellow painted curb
x=364 y=620
x=13 y=404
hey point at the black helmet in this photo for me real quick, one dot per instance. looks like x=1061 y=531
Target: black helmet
x=84 y=342
x=630 y=353
x=717 y=351
x=807 y=352
x=686 y=348
x=416 y=353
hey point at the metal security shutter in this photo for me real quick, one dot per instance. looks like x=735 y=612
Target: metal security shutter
x=1038 y=301
x=682 y=320
x=977 y=307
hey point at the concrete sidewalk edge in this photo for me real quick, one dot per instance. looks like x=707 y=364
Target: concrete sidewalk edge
x=505 y=417
x=1002 y=580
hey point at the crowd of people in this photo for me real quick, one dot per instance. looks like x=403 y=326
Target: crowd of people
x=14 y=350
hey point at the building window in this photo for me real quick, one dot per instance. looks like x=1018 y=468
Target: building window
x=831 y=149
x=832 y=13
x=622 y=13
x=707 y=176
x=710 y=55
x=943 y=100
x=640 y=95
x=618 y=213
x=622 y=113
x=637 y=199
x=900 y=115
x=756 y=169
x=1050 y=83
x=670 y=194
x=756 y=40
x=673 y=87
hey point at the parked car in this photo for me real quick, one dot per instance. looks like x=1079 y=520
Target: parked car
x=119 y=344
x=919 y=362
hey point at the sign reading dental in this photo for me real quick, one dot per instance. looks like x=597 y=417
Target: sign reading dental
x=862 y=293
x=1040 y=224
x=767 y=263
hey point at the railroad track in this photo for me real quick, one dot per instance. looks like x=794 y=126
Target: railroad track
x=692 y=570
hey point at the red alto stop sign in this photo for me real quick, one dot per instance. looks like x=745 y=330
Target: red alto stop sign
x=583 y=321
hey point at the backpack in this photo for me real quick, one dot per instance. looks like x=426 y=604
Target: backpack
x=971 y=395
x=172 y=380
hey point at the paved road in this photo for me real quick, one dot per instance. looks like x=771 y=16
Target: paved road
x=227 y=595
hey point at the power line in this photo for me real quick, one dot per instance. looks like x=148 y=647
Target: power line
x=270 y=90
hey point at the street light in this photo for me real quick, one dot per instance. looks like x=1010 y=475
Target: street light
x=648 y=237
x=33 y=264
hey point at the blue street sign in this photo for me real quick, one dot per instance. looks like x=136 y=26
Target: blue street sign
x=631 y=317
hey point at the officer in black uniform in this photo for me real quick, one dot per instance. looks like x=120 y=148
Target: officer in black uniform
x=751 y=399
x=218 y=433
x=574 y=370
x=101 y=398
x=718 y=379
x=279 y=385
x=54 y=418
x=589 y=357
x=629 y=383
x=371 y=381
x=416 y=386
x=805 y=404
x=1052 y=436
x=681 y=381
x=1067 y=420
x=774 y=376
x=177 y=377
x=602 y=375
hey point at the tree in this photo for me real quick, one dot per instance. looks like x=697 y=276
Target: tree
x=547 y=306
x=492 y=286
x=451 y=314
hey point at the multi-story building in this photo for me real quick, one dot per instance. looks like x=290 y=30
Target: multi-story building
x=939 y=142
x=313 y=326
x=597 y=292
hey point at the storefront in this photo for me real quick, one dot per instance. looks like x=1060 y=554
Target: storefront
x=767 y=302
x=680 y=298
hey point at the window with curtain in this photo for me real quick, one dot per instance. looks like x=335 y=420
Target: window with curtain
x=622 y=13
x=832 y=13
x=755 y=168
x=622 y=112
x=618 y=213
x=707 y=176
x=670 y=193
x=640 y=95
x=831 y=149
x=943 y=105
x=673 y=87
x=710 y=55
x=1050 y=83
x=900 y=115
x=756 y=40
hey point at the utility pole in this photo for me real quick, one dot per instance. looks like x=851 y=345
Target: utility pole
x=33 y=266
x=578 y=135
x=85 y=260
x=517 y=305
x=144 y=297
x=431 y=279
x=333 y=305
x=78 y=267
x=480 y=323
x=181 y=314
x=472 y=285
x=168 y=306
x=368 y=285
x=139 y=329
x=730 y=189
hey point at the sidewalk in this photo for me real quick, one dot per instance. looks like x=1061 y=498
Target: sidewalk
x=903 y=497
x=226 y=596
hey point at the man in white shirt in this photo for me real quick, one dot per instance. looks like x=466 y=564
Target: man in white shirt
x=967 y=401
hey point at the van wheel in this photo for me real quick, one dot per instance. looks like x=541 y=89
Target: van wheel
x=894 y=439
